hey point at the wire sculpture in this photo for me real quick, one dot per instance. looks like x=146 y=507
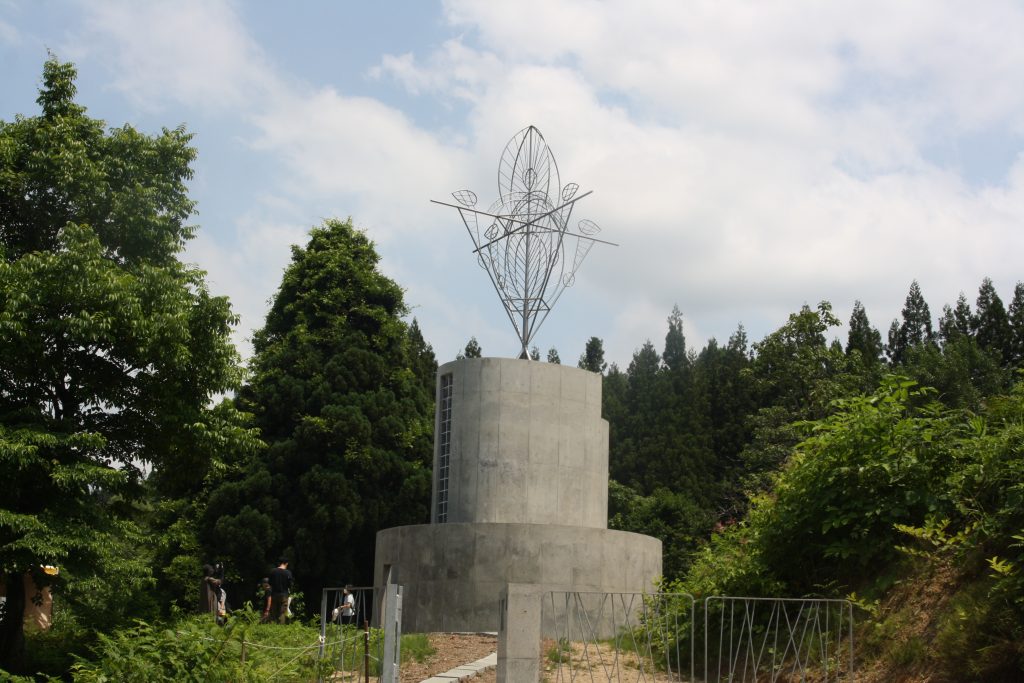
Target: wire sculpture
x=523 y=240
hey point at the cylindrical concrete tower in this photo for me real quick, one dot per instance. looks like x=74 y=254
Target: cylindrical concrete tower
x=519 y=442
x=520 y=495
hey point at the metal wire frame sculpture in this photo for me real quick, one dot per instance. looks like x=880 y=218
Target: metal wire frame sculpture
x=523 y=240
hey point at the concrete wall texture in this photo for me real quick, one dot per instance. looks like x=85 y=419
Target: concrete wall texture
x=453 y=574
x=527 y=500
x=528 y=444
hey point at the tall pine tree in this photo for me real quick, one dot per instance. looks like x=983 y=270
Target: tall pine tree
x=956 y=322
x=593 y=356
x=915 y=328
x=342 y=391
x=674 y=355
x=1016 y=319
x=991 y=324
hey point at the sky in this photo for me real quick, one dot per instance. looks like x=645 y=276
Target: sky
x=747 y=157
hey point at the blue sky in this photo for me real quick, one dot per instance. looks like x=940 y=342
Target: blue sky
x=749 y=157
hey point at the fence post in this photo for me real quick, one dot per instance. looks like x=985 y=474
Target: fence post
x=391 y=623
x=366 y=651
x=323 y=622
x=519 y=630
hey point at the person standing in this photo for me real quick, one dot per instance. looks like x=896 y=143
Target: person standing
x=345 y=613
x=266 y=599
x=210 y=591
x=280 y=588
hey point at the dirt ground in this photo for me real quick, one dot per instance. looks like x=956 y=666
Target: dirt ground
x=452 y=650
x=595 y=661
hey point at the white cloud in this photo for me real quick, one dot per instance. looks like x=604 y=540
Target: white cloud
x=748 y=157
x=752 y=158
x=246 y=265
x=187 y=51
x=8 y=34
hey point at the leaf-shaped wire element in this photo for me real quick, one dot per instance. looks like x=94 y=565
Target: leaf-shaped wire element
x=465 y=197
x=523 y=240
x=530 y=178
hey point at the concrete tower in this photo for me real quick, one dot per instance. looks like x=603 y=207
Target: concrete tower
x=520 y=495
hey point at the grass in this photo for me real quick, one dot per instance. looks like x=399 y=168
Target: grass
x=558 y=653
x=416 y=647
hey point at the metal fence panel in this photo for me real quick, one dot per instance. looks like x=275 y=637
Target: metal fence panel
x=354 y=648
x=769 y=640
x=633 y=637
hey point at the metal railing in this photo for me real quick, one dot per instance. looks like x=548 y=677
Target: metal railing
x=636 y=637
x=617 y=636
x=765 y=640
x=355 y=650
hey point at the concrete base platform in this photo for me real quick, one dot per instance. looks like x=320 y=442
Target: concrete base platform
x=453 y=575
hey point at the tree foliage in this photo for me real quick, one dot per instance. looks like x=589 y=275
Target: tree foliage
x=862 y=338
x=592 y=357
x=472 y=349
x=110 y=348
x=342 y=391
x=915 y=328
x=991 y=326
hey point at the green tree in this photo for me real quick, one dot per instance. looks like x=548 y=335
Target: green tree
x=794 y=367
x=553 y=356
x=915 y=328
x=962 y=372
x=957 y=321
x=534 y=353
x=991 y=324
x=592 y=357
x=796 y=375
x=864 y=348
x=862 y=337
x=674 y=355
x=110 y=350
x=1016 y=319
x=422 y=358
x=472 y=349
x=341 y=394
x=677 y=519
x=722 y=375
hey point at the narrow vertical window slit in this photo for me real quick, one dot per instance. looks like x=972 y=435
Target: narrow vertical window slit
x=444 y=441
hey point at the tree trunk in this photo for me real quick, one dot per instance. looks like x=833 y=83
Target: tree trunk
x=12 y=625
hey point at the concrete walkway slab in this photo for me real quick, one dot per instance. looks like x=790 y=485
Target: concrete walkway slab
x=465 y=671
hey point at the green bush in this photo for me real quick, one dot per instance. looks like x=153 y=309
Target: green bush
x=879 y=460
x=195 y=649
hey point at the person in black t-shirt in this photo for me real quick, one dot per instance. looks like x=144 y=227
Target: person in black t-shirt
x=280 y=587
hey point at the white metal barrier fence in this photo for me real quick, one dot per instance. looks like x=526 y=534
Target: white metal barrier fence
x=660 y=637
x=356 y=650
x=617 y=637
x=776 y=640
